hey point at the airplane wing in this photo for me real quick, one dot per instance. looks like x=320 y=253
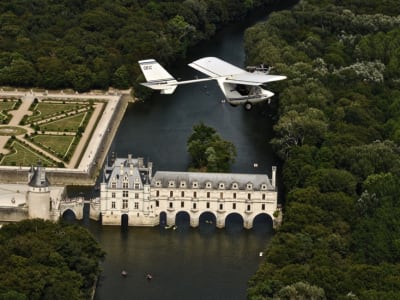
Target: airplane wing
x=215 y=67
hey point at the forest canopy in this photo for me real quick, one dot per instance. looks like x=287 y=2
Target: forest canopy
x=337 y=131
x=208 y=151
x=45 y=260
x=91 y=44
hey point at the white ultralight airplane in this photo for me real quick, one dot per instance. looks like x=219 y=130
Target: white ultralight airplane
x=238 y=85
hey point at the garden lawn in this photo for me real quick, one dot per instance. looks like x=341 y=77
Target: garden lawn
x=66 y=124
x=45 y=109
x=58 y=143
x=25 y=156
x=7 y=105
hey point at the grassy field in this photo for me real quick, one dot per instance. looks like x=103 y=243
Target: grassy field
x=11 y=130
x=7 y=105
x=47 y=109
x=58 y=143
x=25 y=156
x=66 y=124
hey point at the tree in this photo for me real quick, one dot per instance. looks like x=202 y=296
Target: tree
x=297 y=129
x=209 y=151
x=45 y=260
x=300 y=291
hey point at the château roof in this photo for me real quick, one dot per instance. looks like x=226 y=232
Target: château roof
x=130 y=170
x=242 y=180
x=38 y=178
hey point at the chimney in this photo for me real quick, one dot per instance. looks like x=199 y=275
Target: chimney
x=150 y=169
x=140 y=162
x=273 y=177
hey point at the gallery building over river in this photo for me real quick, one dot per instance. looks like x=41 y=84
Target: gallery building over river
x=131 y=194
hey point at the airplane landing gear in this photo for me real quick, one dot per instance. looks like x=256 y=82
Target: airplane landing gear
x=248 y=106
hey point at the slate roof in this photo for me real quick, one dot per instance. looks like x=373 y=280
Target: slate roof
x=38 y=178
x=214 y=178
x=130 y=169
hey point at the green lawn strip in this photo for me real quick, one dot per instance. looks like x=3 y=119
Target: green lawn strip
x=11 y=130
x=7 y=105
x=25 y=156
x=3 y=116
x=59 y=145
x=71 y=123
x=47 y=109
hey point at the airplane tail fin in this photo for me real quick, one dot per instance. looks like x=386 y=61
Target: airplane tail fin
x=157 y=77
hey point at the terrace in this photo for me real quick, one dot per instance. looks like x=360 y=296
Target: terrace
x=63 y=131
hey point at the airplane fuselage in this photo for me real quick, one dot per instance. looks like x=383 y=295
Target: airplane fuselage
x=237 y=94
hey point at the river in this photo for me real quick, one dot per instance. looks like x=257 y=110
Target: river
x=187 y=263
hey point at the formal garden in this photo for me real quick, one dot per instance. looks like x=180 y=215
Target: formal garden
x=49 y=131
x=7 y=105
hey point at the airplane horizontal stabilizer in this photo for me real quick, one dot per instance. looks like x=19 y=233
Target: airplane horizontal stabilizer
x=157 y=77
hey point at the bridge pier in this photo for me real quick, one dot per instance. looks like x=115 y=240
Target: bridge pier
x=170 y=219
x=194 y=221
x=248 y=224
x=220 y=222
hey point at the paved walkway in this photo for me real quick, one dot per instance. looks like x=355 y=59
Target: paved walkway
x=86 y=136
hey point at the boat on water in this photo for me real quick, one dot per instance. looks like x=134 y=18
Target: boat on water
x=124 y=273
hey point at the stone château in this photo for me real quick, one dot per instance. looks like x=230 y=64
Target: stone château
x=130 y=193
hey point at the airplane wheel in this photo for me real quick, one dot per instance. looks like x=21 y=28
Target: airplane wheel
x=248 y=106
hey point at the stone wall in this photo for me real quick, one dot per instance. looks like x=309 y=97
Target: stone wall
x=13 y=214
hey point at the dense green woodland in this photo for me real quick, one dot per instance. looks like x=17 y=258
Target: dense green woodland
x=45 y=260
x=208 y=151
x=337 y=131
x=94 y=44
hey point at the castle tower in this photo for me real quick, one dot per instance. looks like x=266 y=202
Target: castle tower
x=38 y=194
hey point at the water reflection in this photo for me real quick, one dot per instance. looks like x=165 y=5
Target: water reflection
x=208 y=261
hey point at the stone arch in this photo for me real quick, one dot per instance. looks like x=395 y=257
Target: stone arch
x=182 y=219
x=234 y=222
x=68 y=215
x=124 y=220
x=207 y=222
x=163 y=218
x=207 y=217
x=262 y=222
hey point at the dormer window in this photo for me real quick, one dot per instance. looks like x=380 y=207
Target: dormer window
x=221 y=185
x=263 y=186
x=235 y=186
x=183 y=184
x=195 y=184
x=158 y=183
x=171 y=183
x=249 y=186
x=208 y=185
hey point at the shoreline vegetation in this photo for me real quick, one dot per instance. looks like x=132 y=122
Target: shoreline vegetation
x=87 y=45
x=337 y=132
x=46 y=260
